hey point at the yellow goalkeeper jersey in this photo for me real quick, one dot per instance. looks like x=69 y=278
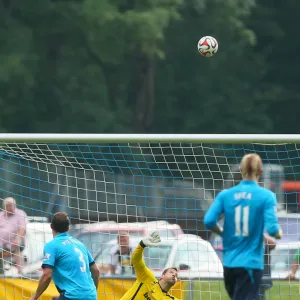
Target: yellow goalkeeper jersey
x=146 y=286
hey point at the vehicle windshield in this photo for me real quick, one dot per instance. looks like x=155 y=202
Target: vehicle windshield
x=157 y=257
x=281 y=259
x=104 y=257
x=95 y=240
x=194 y=255
x=36 y=241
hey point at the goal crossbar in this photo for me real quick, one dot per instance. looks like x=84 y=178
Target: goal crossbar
x=148 y=138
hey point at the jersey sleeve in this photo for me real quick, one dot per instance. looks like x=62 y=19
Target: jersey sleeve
x=141 y=270
x=296 y=257
x=90 y=258
x=270 y=217
x=50 y=253
x=214 y=212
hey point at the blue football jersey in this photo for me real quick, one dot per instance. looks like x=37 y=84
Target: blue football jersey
x=248 y=211
x=71 y=261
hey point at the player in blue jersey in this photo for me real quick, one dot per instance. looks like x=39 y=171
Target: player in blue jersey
x=69 y=263
x=248 y=210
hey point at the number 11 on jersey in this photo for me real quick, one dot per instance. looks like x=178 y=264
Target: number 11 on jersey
x=241 y=219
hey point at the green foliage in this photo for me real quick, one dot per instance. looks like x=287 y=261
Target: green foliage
x=133 y=66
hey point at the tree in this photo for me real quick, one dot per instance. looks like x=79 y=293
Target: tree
x=220 y=94
x=133 y=66
x=274 y=24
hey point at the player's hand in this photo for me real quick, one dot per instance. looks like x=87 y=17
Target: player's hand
x=153 y=239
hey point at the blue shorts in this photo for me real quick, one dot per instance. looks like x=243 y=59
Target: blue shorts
x=242 y=284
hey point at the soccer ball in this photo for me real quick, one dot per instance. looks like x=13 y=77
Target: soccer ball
x=208 y=46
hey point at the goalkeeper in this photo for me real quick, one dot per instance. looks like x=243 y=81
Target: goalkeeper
x=146 y=286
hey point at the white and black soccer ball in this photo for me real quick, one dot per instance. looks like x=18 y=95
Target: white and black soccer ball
x=208 y=46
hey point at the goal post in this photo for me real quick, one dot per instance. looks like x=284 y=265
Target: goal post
x=138 y=178
x=148 y=138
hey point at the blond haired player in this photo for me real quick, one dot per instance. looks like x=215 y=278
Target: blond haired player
x=248 y=210
x=146 y=286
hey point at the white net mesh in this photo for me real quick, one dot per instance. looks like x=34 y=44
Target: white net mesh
x=106 y=187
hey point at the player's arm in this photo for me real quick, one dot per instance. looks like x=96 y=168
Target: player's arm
x=270 y=217
x=95 y=274
x=270 y=242
x=93 y=269
x=213 y=214
x=48 y=265
x=43 y=283
x=141 y=270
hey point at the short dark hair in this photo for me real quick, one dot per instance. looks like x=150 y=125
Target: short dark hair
x=60 y=222
x=166 y=270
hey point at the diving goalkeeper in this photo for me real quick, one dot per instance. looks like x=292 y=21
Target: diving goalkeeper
x=146 y=286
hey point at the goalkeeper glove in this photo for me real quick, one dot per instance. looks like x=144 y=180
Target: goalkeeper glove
x=153 y=239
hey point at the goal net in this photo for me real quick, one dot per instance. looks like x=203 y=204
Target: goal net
x=111 y=184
